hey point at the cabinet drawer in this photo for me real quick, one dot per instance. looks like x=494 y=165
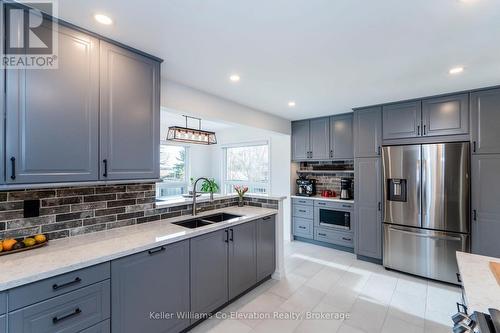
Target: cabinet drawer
x=334 y=237
x=302 y=227
x=102 y=327
x=72 y=312
x=305 y=202
x=55 y=286
x=3 y=322
x=306 y=212
x=3 y=303
x=334 y=204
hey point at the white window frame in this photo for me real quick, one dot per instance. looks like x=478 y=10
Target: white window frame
x=226 y=182
x=187 y=172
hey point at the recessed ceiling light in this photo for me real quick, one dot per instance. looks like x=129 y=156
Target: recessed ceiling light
x=103 y=19
x=291 y=104
x=234 y=78
x=456 y=70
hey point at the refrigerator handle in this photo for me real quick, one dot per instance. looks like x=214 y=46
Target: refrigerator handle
x=424 y=235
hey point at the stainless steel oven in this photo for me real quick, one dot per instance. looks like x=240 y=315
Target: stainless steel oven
x=333 y=216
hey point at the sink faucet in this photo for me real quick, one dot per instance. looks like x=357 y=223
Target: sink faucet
x=194 y=193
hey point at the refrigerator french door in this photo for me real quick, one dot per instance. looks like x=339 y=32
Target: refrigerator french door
x=426 y=208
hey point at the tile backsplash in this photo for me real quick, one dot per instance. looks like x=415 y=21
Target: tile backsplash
x=71 y=211
x=333 y=173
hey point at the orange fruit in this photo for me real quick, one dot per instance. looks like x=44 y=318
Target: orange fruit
x=40 y=238
x=8 y=244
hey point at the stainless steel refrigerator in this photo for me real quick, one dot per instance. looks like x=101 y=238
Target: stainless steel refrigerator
x=426 y=208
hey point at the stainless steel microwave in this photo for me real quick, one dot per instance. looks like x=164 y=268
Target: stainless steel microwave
x=333 y=217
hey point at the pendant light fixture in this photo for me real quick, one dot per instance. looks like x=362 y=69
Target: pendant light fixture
x=191 y=135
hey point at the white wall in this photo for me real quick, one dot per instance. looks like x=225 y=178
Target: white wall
x=280 y=160
x=210 y=107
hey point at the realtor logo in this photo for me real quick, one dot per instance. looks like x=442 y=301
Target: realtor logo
x=30 y=35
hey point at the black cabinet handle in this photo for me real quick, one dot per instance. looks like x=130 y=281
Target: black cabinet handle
x=379 y=150
x=322 y=203
x=331 y=153
x=227 y=236
x=459 y=280
x=232 y=235
x=474 y=214
x=347 y=239
x=379 y=206
x=321 y=234
x=418 y=129
x=266 y=218
x=302 y=211
x=13 y=170
x=461 y=307
x=346 y=206
x=56 y=320
x=157 y=250
x=474 y=146
x=105 y=162
x=425 y=126
x=301 y=227
x=56 y=286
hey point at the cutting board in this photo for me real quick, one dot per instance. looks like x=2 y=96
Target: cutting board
x=495 y=268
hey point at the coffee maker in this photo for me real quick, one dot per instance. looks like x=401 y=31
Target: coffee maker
x=345 y=188
x=306 y=187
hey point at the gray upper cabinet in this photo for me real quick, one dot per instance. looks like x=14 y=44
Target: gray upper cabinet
x=129 y=114
x=485 y=121
x=156 y=280
x=368 y=132
x=2 y=109
x=300 y=140
x=485 y=207
x=320 y=135
x=341 y=137
x=209 y=271
x=242 y=258
x=448 y=115
x=266 y=245
x=368 y=188
x=402 y=120
x=52 y=115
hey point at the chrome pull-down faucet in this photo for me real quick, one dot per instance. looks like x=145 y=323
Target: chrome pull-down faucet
x=194 y=193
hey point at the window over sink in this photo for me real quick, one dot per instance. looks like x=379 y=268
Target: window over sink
x=173 y=171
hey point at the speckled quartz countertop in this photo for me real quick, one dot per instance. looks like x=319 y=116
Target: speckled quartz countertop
x=481 y=288
x=69 y=254
x=319 y=197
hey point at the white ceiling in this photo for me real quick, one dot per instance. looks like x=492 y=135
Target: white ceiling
x=327 y=55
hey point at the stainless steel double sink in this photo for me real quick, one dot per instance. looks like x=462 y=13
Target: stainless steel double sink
x=206 y=220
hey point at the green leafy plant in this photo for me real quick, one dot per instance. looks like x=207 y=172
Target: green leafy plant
x=210 y=186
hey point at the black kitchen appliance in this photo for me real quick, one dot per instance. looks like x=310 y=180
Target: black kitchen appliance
x=478 y=322
x=345 y=188
x=306 y=187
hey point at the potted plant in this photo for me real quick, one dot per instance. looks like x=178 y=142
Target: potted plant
x=210 y=186
x=241 y=190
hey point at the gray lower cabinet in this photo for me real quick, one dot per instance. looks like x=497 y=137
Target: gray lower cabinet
x=3 y=324
x=306 y=212
x=368 y=205
x=402 y=120
x=209 y=272
x=341 y=137
x=71 y=312
x=102 y=327
x=302 y=227
x=300 y=140
x=485 y=205
x=154 y=281
x=320 y=138
x=368 y=132
x=52 y=115
x=3 y=303
x=2 y=112
x=129 y=114
x=447 y=115
x=335 y=237
x=242 y=258
x=485 y=121
x=266 y=248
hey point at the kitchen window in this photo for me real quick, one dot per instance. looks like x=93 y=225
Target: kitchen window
x=173 y=171
x=247 y=165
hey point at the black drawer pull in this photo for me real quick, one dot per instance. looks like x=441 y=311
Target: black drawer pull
x=379 y=206
x=227 y=236
x=418 y=129
x=474 y=213
x=301 y=227
x=461 y=306
x=232 y=235
x=459 y=280
x=474 y=146
x=56 y=320
x=321 y=234
x=302 y=211
x=379 y=151
x=105 y=162
x=56 y=286
x=13 y=171
x=266 y=218
x=424 y=129
x=322 y=203
x=347 y=239
x=346 y=206
x=157 y=250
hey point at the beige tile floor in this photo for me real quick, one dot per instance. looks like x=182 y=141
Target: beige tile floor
x=325 y=281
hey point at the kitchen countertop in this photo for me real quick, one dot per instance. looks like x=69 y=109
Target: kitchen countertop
x=206 y=197
x=319 y=197
x=72 y=253
x=480 y=286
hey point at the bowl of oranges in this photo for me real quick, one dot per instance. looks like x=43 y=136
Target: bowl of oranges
x=14 y=245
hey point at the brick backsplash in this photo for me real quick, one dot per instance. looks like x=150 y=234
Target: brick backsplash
x=71 y=211
x=330 y=180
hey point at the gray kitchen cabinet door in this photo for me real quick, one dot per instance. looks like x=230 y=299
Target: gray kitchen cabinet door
x=129 y=114
x=300 y=140
x=320 y=138
x=209 y=272
x=341 y=137
x=486 y=205
x=368 y=189
x=485 y=121
x=2 y=109
x=3 y=324
x=368 y=132
x=154 y=281
x=52 y=115
x=402 y=120
x=448 y=115
x=242 y=258
x=266 y=247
